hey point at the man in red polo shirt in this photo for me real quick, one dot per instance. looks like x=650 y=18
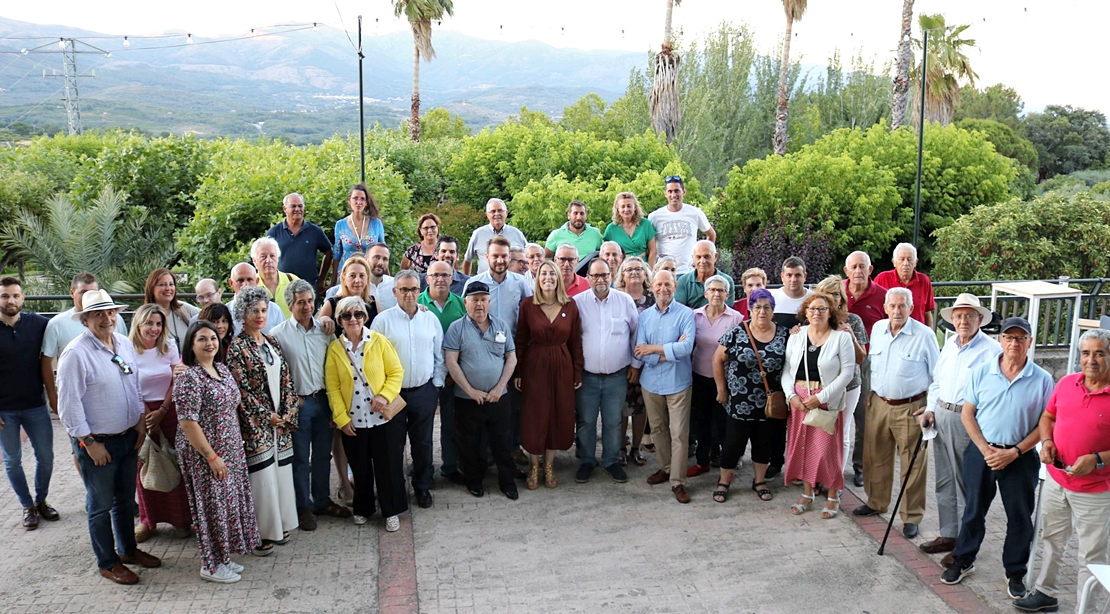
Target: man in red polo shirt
x=1076 y=445
x=865 y=299
x=905 y=275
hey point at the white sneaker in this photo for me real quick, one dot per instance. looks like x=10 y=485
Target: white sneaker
x=235 y=567
x=223 y=575
x=359 y=520
x=392 y=524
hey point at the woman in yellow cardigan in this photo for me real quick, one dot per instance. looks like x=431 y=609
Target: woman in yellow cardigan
x=363 y=375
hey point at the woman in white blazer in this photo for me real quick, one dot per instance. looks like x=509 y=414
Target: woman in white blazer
x=819 y=359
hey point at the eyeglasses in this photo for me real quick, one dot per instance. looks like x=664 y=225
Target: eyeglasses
x=357 y=315
x=206 y=297
x=672 y=179
x=1016 y=338
x=566 y=259
x=966 y=317
x=761 y=308
x=432 y=227
x=126 y=368
x=816 y=309
x=407 y=290
x=438 y=275
x=598 y=276
x=716 y=290
x=268 y=353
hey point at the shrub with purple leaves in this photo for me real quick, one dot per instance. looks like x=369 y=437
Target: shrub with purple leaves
x=772 y=242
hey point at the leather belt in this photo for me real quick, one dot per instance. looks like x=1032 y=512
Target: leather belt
x=1001 y=446
x=916 y=397
x=106 y=435
x=950 y=406
x=317 y=393
x=415 y=387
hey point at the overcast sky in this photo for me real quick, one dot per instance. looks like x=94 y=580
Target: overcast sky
x=1044 y=49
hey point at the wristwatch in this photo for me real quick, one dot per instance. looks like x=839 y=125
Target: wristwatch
x=1098 y=461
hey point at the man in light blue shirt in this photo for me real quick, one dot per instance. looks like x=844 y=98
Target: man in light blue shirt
x=664 y=342
x=609 y=323
x=1004 y=400
x=418 y=338
x=969 y=348
x=903 y=355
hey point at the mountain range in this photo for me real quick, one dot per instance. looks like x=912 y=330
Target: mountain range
x=302 y=85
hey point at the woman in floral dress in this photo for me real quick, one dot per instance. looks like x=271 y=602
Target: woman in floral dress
x=213 y=462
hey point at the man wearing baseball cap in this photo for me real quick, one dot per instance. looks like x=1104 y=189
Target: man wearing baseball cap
x=969 y=348
x=100 y=403
x=481 y=356
x=1003 y=403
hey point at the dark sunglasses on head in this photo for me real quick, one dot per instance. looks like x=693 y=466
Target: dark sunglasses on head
x=118 y=361
x=672 y=179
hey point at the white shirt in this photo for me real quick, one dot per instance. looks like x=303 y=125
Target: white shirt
x=419 y=344
x=306 y=350
x=955 y=365
x=608 y=330
x=786 y=304
x=62 y=328
x=362 y=417
x=902 y=365
x=676 y=232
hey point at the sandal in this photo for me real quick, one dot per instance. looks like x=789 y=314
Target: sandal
x=335 y=510
x=762 y=491
x=281 y=542
x=801 y=508
x=549 y=479
x=266 y=549
x=637 y=457
x=623 y=460
x=533 y=478
x=721 y=494
x=829 y=514
x=650 y=447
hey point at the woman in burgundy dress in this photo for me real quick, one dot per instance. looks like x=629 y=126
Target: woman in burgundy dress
x=549 y=346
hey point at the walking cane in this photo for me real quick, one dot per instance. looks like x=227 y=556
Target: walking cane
x=1037 y=522
x=901 y=491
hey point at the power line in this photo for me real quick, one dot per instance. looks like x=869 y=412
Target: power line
x=189 y=40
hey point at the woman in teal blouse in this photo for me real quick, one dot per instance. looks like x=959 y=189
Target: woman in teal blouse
x=631 y=229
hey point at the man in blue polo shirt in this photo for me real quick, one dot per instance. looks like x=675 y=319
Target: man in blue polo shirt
x=299 y=242
x=26 y=373
x=1003 y=403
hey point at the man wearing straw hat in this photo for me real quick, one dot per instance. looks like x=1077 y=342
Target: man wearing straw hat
x=969 y=348
x=100 y=404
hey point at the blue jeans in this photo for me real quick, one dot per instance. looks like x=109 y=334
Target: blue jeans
x=602 y=394
x=312 y=454
x=36 y=423
x=448 y=432
x=421 y=411
x=110 y=497
x=1018 y=484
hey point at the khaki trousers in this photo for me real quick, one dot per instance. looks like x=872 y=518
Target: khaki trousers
x=1062 y=512
x=669 y=416
x=890 y=429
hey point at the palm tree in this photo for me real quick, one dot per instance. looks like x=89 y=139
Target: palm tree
x=118 y=244
x=666 y=115
x=947 y=69
x=902 y=69
x=794 y=9
x=420 y=14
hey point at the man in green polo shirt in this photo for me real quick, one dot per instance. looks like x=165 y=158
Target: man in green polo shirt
x=576 y=231
x=691 y=288
x=448 y=307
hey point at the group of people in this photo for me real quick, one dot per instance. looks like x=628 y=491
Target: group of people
x=634 y=327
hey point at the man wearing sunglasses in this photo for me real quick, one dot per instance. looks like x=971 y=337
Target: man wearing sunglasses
x=100 y=403
x=1003 y=403
x=677 y=226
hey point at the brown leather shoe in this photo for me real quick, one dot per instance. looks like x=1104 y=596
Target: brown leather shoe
x=30 y=518
x=46 y=512
x=680 y=493
x=658 y=477
x=138 y=557
x=120 y=574
x=940 y=544
x=947 y=561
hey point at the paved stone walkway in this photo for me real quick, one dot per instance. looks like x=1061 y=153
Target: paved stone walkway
x=595 y=547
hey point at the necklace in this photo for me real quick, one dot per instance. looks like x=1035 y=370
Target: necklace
x=359 y=236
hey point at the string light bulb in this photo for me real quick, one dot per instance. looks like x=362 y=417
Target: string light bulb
x=189 y=39
x=315 y=28
x=126 y=43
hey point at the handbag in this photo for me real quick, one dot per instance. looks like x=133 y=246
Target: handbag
x=776 y=401
x=159 y=471
x=822 y=417
x=393 y=407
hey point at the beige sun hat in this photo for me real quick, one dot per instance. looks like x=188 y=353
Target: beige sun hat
x=968 y=301
x=96 y=300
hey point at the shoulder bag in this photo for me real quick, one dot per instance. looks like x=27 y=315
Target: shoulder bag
x=822 y=417
x=394 y=406
x=776 y=401
x=159 y=470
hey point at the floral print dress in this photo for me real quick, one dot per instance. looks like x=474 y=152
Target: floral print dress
x=747 y=396
x=223 y=510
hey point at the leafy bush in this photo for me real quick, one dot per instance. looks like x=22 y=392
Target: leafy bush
x=853 y=203
x=1041 y=239
x=1068 y=139
x=1005 y=139
x=240 y=198
x=779 y=239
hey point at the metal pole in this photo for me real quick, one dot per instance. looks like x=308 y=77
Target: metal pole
x=362 y=115
x=920 y=136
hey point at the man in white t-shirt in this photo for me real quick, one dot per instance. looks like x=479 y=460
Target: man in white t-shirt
x=62 y=328
x=789 y=297
x=677 y=226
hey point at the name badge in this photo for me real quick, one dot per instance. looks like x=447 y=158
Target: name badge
x=499 y=337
